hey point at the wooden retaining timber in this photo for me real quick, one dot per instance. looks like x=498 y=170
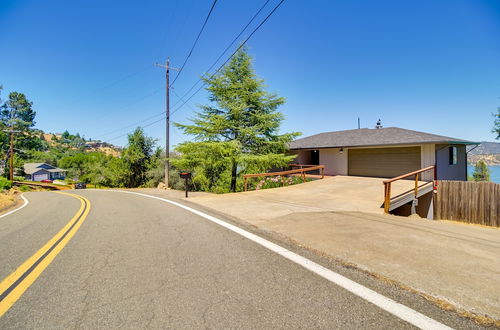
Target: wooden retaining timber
x=40 y=184
x=302 y=171
x=387 y=185
x=470 y=202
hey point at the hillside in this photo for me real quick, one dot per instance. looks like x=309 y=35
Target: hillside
x=489 y=152
x=486 y=148
x=76 y=142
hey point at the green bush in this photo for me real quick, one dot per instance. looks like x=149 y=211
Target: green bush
x=278 y=181
x=5 y=184
x=18 y=178
x=25 y=188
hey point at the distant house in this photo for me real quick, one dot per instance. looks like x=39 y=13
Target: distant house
x=43 y=171
x=383 y=152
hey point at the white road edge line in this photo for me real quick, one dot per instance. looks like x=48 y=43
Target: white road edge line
x=26 y=202
x=403 y=312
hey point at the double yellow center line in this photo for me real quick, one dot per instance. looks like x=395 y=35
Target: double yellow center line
x=14 y=285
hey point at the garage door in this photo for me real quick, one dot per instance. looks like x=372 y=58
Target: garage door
x=383 y=162
x=40 y=177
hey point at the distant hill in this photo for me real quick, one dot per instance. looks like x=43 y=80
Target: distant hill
x=486 y=148
x=487 y=151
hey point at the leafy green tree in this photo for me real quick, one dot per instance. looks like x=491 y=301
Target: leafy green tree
x=138 y=156
x=241 y=125
x=481 y=172
x=77 y=165
x=117 y=172
x=65 y=135
x=496 y=124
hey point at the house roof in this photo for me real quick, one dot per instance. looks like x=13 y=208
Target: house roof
x=365 y=137
x=30 y=168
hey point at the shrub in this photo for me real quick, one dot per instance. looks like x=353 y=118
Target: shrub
x=25 y=188
x=18 y=178
x=278 y=181
x=5 y=184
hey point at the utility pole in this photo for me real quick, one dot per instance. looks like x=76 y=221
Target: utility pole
x=11 y=151
x=11 y=163
x=167 y=115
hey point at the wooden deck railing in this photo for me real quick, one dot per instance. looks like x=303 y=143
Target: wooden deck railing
x=387 y=184
x=302 y=171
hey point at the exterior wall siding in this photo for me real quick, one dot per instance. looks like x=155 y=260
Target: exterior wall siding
x=445 y=171
x=428 y=158
x=303 y=157
x=334 y=161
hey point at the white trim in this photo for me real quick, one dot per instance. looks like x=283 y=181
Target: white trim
x=403 y=312
x=26 y=202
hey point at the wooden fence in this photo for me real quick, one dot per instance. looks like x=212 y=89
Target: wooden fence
x=301 y=171
x=471 y=202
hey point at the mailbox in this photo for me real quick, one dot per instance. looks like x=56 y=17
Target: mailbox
x=185 y=175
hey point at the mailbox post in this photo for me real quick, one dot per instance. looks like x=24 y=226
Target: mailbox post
x=186 y=176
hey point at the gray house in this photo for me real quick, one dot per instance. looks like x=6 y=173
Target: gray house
x=383 y=152
x=43 y=171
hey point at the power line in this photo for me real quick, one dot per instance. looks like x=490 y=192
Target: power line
x=195 y=42
x=228 y=47
x=144 y=126
x=181 y=98
x=227 y=60
x=135 y=123
x=131 y=125
x=113 y=83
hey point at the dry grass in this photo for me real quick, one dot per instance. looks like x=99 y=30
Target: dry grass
x=8 y=199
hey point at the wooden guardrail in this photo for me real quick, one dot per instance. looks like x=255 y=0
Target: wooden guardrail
x=302 y=171
x=387 y=184
x=40 y=184
x=302 y=165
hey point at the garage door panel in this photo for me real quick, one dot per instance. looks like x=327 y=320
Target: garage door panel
x=383 y=162
x=40 y=177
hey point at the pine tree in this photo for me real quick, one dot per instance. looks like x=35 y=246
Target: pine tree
x=481 y=172
x=496 y=124
x=240 y=126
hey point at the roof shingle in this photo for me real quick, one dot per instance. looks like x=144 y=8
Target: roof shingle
x=371 y=137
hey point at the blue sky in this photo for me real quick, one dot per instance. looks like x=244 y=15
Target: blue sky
x=88 y=66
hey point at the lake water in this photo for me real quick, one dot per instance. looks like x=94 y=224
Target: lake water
x=494 y=172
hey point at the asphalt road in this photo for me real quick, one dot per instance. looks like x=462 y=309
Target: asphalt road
x=142 y=263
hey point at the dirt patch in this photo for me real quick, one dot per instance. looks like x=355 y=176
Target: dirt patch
x=9 y=200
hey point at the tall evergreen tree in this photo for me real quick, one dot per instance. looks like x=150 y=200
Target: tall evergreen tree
x=496 y=124
x=481 y=172
x=240 y=125
x=17 y=112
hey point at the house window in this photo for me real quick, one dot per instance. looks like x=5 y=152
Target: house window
x=453 y=155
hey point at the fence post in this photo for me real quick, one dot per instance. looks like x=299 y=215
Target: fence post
x=416 y=185
x=387 y=188
x=245 y=183
x=323 y=172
